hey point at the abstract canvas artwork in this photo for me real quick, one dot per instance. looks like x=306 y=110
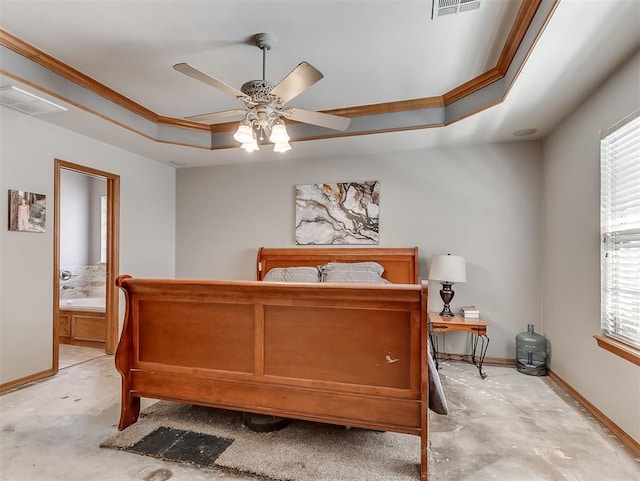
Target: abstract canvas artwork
x=27 y=211
x=338 y=213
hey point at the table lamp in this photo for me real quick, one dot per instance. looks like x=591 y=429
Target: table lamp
x=447 y=269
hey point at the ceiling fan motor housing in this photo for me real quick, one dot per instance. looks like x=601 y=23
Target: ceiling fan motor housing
x=259 y=90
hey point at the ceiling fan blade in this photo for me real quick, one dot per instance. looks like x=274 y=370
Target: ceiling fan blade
x=299 y=79
x=213 y=116
x=193 y=72
x=317 y=118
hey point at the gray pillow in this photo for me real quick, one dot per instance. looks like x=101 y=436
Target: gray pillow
x=356 y=272
x=293 y=274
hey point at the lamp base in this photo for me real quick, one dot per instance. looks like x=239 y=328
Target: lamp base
x=446 y=294
x=446 y=311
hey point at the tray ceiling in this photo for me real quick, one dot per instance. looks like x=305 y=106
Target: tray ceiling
x=371 y=53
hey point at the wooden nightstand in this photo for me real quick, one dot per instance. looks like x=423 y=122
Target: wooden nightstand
x=476 y=327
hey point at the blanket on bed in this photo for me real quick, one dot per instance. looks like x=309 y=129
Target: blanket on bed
x=437 y=399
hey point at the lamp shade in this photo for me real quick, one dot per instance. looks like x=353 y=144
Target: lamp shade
x=448 y=268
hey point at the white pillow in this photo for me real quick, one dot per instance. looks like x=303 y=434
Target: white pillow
x=293 y=274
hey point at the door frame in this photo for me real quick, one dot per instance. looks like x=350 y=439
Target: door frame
x=113 y=254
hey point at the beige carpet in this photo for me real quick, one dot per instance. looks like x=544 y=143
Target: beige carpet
x=303 y=451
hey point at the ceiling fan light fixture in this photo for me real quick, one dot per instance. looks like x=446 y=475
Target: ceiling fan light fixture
x=282 y=147
x=264 y=102
x=279 y=134
x=244 y=134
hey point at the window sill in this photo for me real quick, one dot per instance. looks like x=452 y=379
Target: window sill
x=619 y=349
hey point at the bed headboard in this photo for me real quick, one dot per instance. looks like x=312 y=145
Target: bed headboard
x=400 y=264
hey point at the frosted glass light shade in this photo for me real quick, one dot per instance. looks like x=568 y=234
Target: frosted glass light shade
x=244 y=134
x=282 y=147
x=279 y=134
x=251 y=146
x=448 y=268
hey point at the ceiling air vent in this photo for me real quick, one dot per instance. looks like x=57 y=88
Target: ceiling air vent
x=450 y=7
x=27 y=103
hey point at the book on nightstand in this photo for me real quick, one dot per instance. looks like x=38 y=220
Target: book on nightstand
x=470 y=312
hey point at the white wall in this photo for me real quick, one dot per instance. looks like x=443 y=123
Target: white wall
x=481 y=202
x=571 y=245
x=28 y=147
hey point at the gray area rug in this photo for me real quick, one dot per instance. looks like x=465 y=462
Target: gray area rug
x=303 y=451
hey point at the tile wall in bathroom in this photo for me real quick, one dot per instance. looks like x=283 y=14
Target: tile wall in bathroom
x=85 y=281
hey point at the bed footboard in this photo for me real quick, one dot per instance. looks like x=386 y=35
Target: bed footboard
x=352 y=355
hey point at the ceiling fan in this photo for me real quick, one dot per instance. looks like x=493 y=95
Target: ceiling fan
x=264 y=102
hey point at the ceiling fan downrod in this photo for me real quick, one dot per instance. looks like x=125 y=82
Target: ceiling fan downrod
x=264 y=42
x=259 y=90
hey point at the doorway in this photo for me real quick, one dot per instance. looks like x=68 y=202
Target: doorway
x=85 y=300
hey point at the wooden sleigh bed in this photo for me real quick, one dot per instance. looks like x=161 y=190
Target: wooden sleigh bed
x=346 y=354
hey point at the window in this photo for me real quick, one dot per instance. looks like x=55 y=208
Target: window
x=620 y=229
x=103 y=229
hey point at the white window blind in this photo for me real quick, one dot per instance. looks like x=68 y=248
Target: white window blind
x=620 y=228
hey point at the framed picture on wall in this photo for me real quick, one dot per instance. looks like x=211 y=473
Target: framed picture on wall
x=27 y=211
x=338 y=213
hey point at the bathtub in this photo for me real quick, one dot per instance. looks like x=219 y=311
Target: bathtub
x=83 y=304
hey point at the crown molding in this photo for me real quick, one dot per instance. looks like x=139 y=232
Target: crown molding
x=520 y=26
x=38 y=56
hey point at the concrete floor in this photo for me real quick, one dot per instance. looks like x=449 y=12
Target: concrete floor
x=71 y=355
x=52 y=429
x=514 y=427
